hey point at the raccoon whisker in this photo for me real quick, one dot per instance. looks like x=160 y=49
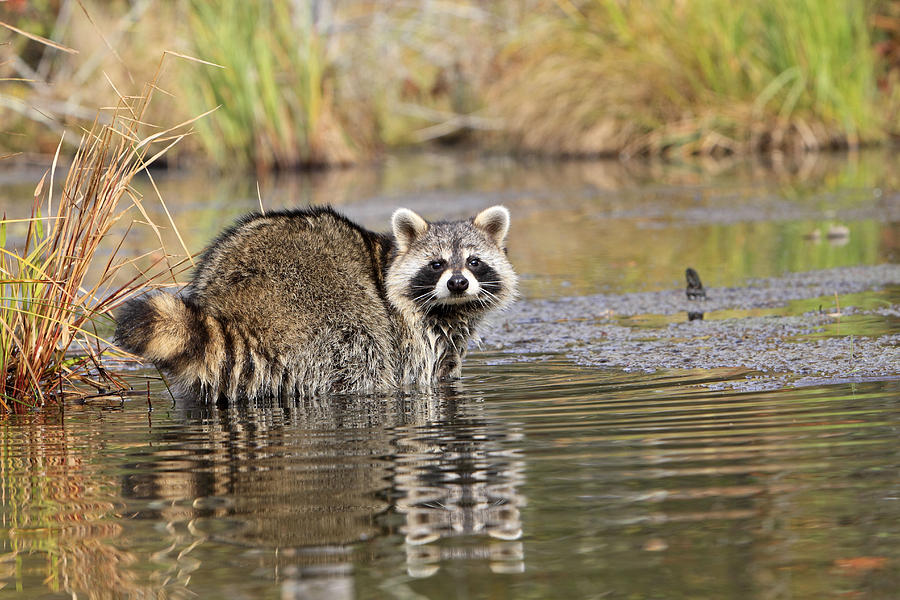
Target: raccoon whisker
x=426 y=297
x=486 y=303
x=431 y=291
x=490 y=295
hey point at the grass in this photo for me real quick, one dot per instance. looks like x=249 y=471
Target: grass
x=703 y=77
x=295 y=90
x=302 y=88
x=65 y=274
x=276 y=89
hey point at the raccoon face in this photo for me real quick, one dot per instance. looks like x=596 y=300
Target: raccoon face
x=451 y=264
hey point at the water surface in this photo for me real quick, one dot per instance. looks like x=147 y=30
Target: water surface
x=534 y=477
x=578 y=227
x=529 y=480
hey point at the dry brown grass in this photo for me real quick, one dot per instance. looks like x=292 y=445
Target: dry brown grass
x=66 y=274
x=607 y=77
x=56 y=90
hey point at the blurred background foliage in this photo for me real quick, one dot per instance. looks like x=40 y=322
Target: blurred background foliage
x=322 y=82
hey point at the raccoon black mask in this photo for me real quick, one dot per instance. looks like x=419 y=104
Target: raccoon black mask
x=457 y=263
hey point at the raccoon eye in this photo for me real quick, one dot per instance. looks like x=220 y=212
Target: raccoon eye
x=437 y=265
x=474 y=262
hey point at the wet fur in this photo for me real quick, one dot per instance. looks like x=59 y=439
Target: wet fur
x=307 y=302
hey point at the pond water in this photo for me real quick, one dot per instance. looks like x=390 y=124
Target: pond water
x=532 y=480
x=578 y=227
x=533 y=477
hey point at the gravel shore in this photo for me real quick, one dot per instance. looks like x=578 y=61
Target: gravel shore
x=649 y=331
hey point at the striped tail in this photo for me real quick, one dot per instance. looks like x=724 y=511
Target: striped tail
x=177 y=337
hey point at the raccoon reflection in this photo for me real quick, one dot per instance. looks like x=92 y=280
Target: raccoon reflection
x=307 y=302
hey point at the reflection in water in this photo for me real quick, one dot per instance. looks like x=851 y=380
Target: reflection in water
x=59 y=514
x=460 y=481
x=298 y=485
x=579 y=227
x=635 y=483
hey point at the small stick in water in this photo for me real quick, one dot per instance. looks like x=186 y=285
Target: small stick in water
x=694 y=289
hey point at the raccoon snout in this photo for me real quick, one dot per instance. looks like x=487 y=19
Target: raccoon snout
x=457 y=283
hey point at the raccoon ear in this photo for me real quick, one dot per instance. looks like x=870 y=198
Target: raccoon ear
x=494 y=221
x=408 y=227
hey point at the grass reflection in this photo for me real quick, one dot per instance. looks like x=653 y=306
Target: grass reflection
x=59 y=517
x=588 y=226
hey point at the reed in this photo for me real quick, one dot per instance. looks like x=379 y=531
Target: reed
x=276 y=88
x=327 y=83
x=701 y=77
x=65 y=275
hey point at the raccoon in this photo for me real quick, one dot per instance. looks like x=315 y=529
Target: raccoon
x=306 y=302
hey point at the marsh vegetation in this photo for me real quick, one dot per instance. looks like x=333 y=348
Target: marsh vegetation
x=329 y=83
x=64 y=274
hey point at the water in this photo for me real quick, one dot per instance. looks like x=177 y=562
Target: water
x=534 y=477
x=531 y=480
x=577 y=227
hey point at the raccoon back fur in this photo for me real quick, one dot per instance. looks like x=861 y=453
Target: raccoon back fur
x=307 y=302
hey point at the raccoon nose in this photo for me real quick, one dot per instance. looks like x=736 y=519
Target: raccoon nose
x=457 y=283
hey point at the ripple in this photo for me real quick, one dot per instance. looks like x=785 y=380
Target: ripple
x=542 y=473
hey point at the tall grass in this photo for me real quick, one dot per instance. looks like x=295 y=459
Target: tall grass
x=65 y=273
x=706 y=76
x=322 y=83
x=276 y=88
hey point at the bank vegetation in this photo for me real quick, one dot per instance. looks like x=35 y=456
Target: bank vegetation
x=61 y=275
x=306 y=84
